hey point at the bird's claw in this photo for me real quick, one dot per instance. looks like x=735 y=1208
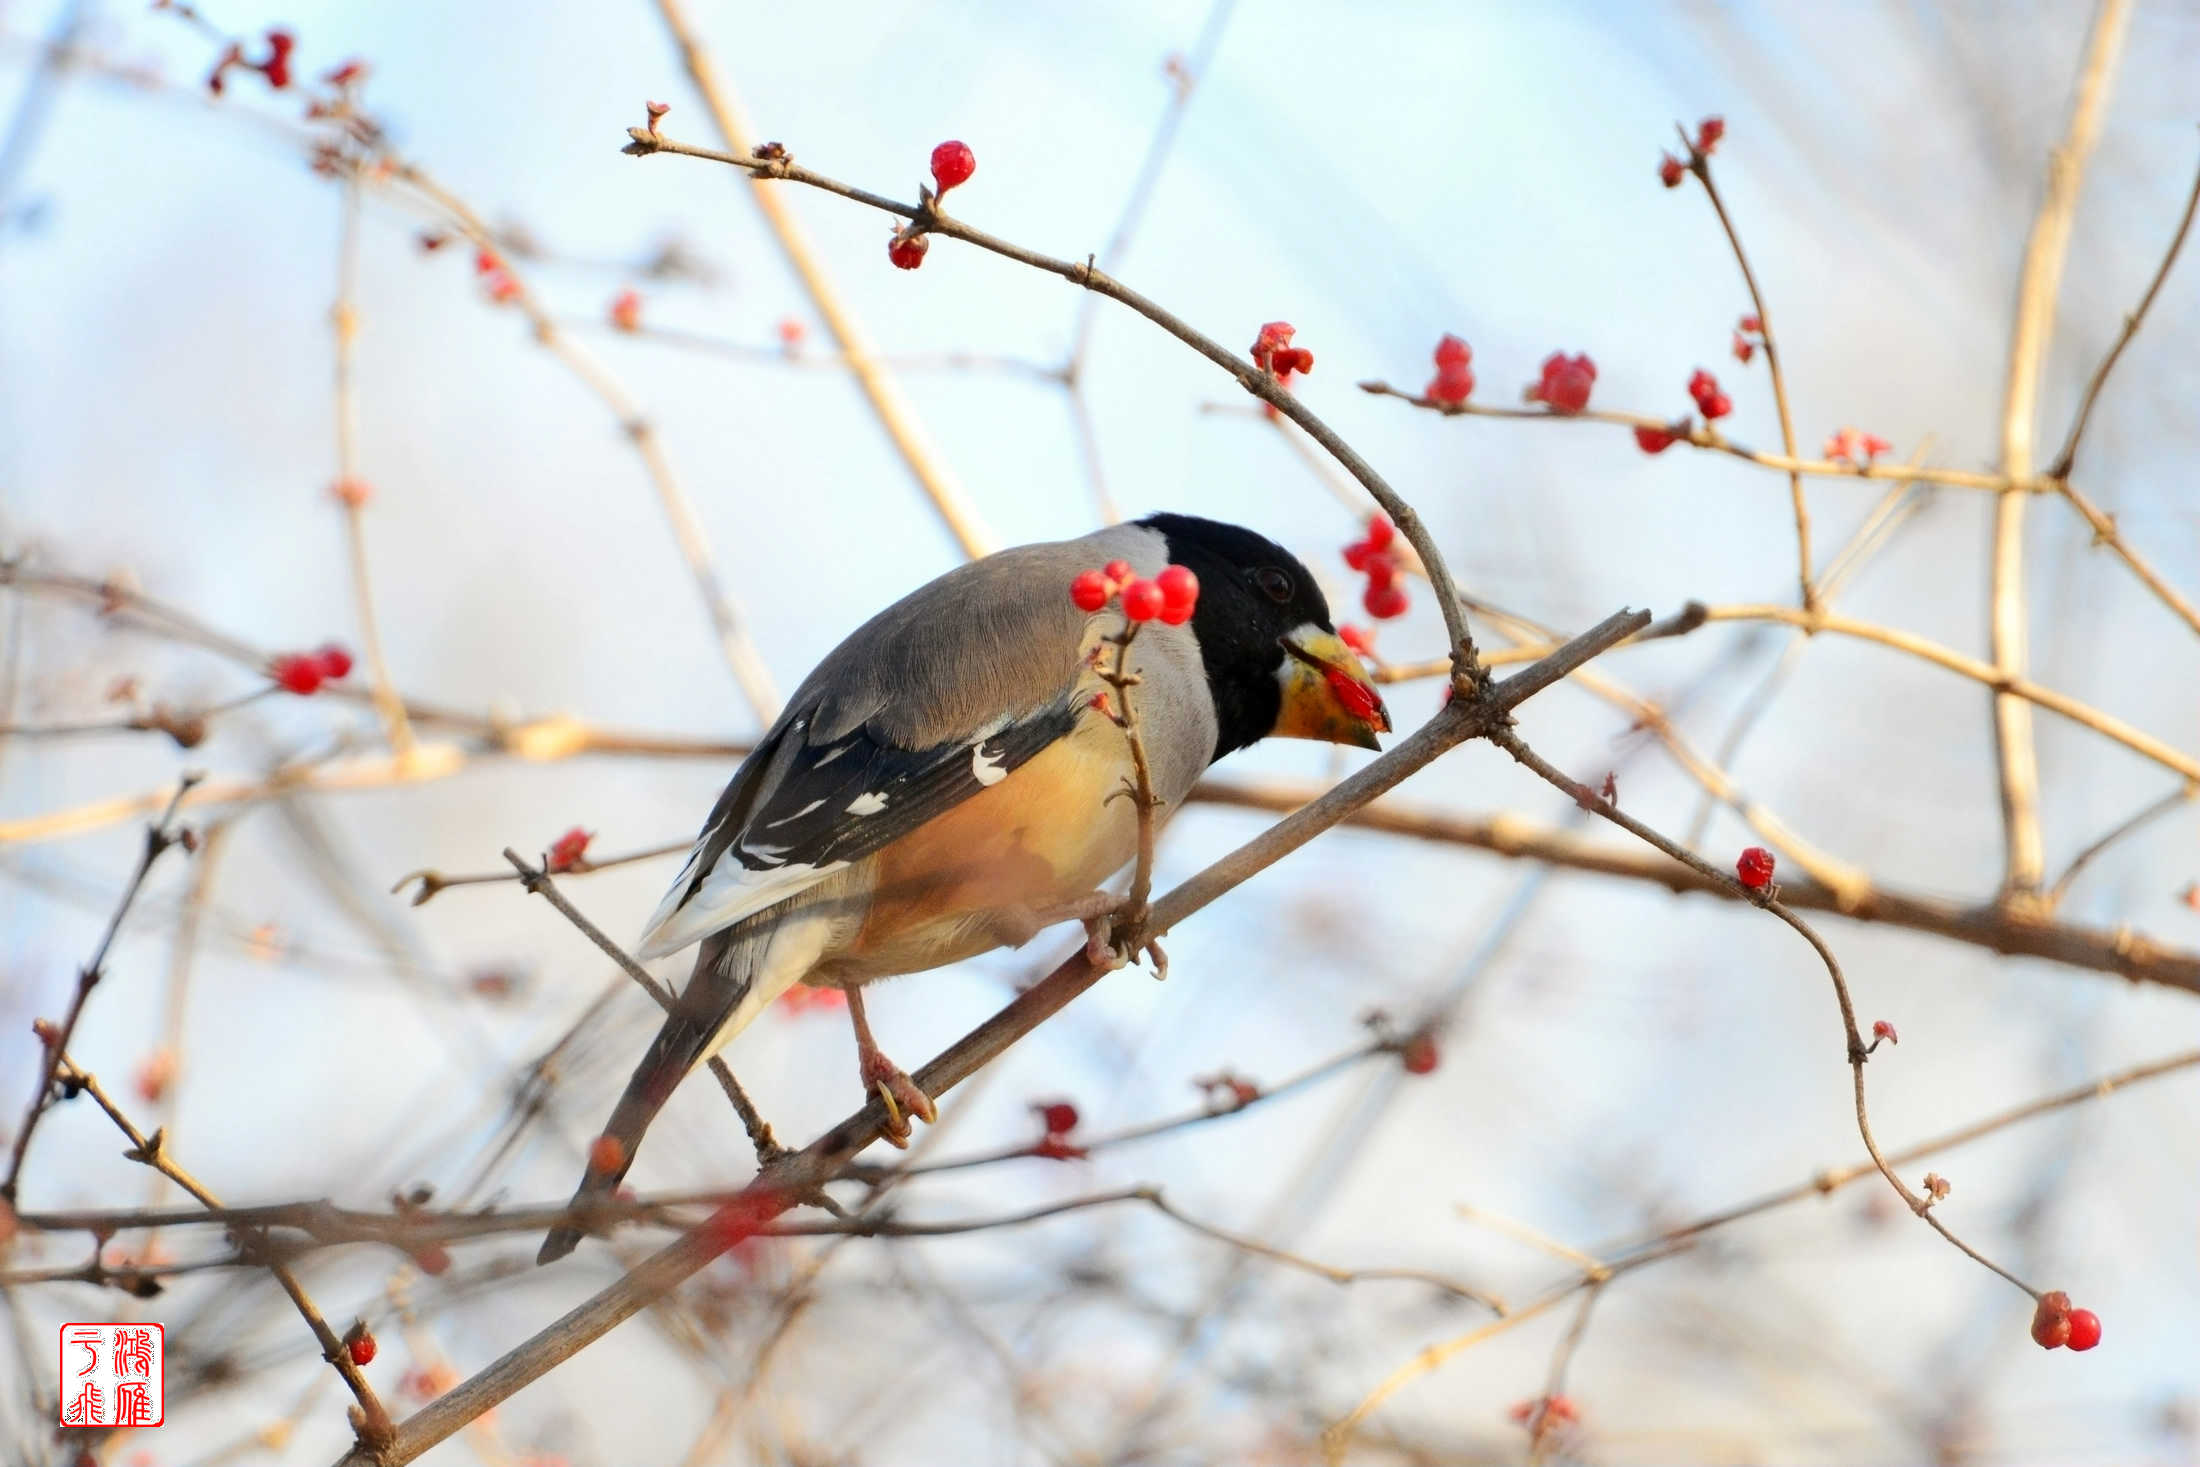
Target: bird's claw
x=1104 y=952
x=901 y=1096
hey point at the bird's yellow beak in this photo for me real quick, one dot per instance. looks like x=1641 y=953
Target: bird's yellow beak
x=1326 y=694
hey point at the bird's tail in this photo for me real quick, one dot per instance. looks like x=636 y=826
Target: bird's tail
x=716 y=1004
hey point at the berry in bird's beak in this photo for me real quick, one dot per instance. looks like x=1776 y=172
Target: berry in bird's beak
x=1326 y=694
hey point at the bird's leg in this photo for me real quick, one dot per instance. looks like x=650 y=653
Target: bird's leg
x=894 y=1087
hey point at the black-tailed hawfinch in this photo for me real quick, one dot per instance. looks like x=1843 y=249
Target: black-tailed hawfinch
x=940 y=785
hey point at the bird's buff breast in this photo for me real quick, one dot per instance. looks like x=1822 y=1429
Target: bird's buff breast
x=1045 y=835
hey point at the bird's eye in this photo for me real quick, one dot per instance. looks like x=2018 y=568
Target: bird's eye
x=1274 y=582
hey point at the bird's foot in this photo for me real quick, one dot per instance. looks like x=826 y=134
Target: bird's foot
x=1105 y=951
x=902 y=1096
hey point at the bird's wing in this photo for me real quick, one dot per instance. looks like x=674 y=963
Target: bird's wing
x=937 y=697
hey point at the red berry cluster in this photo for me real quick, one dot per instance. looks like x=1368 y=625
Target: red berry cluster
x=1749 y=334
x=626 y=310
x=952 y=164
x=1274 y=353
x=2055 y=1324
x=1170 y=596
x=502 y=285
x=1385 y=597
x=304 y=672
x=1710 y=401
x=570 y=849
x=1454 y=380
x=1851 y=447
x=1754 y=869
x=1565 y=383
x=1672 y=170
x=275 y=66
x=1057 y=1118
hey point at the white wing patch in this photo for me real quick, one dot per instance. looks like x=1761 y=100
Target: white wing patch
x=868 y=803
x=797 y=815
x=986 y=768
x=730 y=892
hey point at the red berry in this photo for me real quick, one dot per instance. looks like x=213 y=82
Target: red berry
x=1654 y=440
x=1717 y=405
x=503 y=289
x=1356 y=554
x=352 y=493
x=1566 y=382
x=952 y=164
x=1059 y=1117
x=1090 y=590
x=1751 y=323
x=335 y=662
x=297 y=673
x=1708 y=133
x=1358 y=638
x=1179 y=594
x=2085 y=1329
x=907 y=251
x=1274 y=338
x=790 y=332
x=1056 y=1148
x=1754 y=869
x=1142 y=601
x=1380 y=532
x=1352 y=695
x=1881 y=1029
x=433 y=1259
x=626 y=311
x=1381 y=569
x=2051 y=1321
x=1452 y=385
x=1119 y=573
x=1385 y=601
x=1452 y=352
x=486 y=262
x=1671 y=171
x=606 y=1154
x=361 y=1346
x=1744 y=348
x=568 y=850
x=1419 y=1055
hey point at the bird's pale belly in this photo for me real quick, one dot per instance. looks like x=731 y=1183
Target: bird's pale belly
x=1044 y=836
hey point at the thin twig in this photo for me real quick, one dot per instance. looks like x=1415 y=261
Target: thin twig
x=2177 y=798
x=537 y=880
x=1700 y=165
x=2016 y=756
x=350 y=486
x=888 y=403
x=159 y=836
x=2068 y=457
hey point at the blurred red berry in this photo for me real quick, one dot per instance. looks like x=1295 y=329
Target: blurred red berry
x=790 y=332
x=1273 y=352
x=606 y=1154
x=907 y=251
x=1716 y=406
x=335 y=662
x=297 y=673
x=1142 y=600
x=1744 y=348
x=626 y=310
x=1381 y=569
x=1357 y=553
x=154 y=1074
x=1452 y=385
x=351 y=71
x=1058 y=1116
x=361 y=1345
x=1358 y=638
x=1565 y=383
x=1751 y=324
x=1874 y=445
x=569 y=849
x=1881 y=1029
x=1754 y=869
x=1089 y=590
x=486 y=262
x=1353 y=696
x=1380 y=531
x=1654 y=440
x=2051 y=1321
x=1451 y=351
x=503 y=288
x=1058 y=1148
x=352 y=493
x=1419 y=1055
x=1179 y=594
x=432 y=1260
x=1708 y=133
x=952 y=165
x=2085 y=1329
x=1386 y=601
x=1671 y=171
x=276 y=68
x=1119 y=574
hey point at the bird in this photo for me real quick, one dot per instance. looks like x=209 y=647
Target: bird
x=942 y=785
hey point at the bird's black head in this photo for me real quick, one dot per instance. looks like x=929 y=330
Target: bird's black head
x=1274 y=662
